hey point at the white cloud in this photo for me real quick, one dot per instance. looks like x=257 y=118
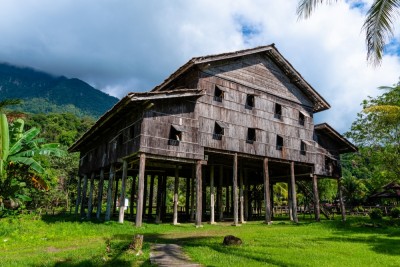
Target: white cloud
x=121 y=46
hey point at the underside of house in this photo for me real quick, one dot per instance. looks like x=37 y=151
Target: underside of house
x=227 y=125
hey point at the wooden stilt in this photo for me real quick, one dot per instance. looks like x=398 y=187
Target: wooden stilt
x=227 y=198
x=133 y=192
x=187 y=198
x=78 y=195
x=212 y=195
x=342 y=206
x=109 y=192
x=198 y=194
x=139 y=209
x=192 y=195
x=159 y=199
x=115 y=194
x=290 y=204
x=219 y=195
x=235 y=191
x=90 y=202
x=267 y=197
x=122 y=197
x=145 y=193
x=241 y=197
x=84 y=199
x=204 y=195
x=150 y=212
x=164 y=198
x=316 y=198
x=100 y=194
x=246 y=196
x=176 y=187
x=293 y=187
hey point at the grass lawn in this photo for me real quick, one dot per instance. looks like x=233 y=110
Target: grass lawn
x=62 y=241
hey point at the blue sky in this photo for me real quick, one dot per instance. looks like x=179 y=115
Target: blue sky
x=121 y=46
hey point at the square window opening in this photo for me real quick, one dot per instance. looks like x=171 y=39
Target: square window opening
x=218 y=94
x=218 y=132
x=249 y=102
x=279 y=142
x=251 y=135
x=302 y=118
x=303 y=148
x=175 y=136
x=278 y=111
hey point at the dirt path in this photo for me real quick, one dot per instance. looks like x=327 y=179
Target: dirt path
x=170 y=255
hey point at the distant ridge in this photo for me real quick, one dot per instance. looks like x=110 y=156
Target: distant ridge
x=43 y=92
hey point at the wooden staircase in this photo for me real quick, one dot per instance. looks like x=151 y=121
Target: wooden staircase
x=303 y=186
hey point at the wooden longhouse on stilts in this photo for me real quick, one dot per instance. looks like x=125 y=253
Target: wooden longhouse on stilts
x=234 y=121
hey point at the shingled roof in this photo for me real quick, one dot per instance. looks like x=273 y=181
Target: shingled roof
x=320 y=103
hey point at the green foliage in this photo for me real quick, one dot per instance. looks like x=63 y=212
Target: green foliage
x=376 y=214
x=395 y=213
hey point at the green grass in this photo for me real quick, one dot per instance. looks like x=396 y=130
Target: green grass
x=62 y=241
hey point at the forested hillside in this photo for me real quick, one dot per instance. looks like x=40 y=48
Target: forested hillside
x=43 y=93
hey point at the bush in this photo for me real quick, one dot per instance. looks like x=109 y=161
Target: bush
x=376 y=214
x=395 y=213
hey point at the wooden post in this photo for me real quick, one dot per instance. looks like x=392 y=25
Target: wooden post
x=150 y=212
x=241 y=198
x=115 y=194
x=267 y=196
x=246 y=196
x=187 y=198
x=227 y=197
x=164 y=197
x=139 y=209
x=316 y=197
x=235 y=191
x=342 y=206
x=192 y=196
x=212 y=195
x=90 y=202
x=109 y=192
x=290 y=204
x=100 y=194
x=145 y=193
x=133 y=192
x=176 y=186
x=122 y=198
x=293 y=187
x=159 y=199
x=84 y=189
x=78 y=195
x=198 y=194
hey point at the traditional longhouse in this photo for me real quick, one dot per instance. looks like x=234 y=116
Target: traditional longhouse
x=224 y=123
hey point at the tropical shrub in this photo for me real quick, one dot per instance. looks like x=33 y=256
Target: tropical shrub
x=376 y=214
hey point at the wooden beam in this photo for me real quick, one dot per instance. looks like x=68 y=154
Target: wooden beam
x=100 y=194
x=176 y=187
x=235 y=191
x=90 y=202
x=212 y=196
x=122 y=197
x=267 y=196
x=109 y=192
x=198 y=194
x=139 y=209
x=316 y=198
x=145 y=192
x=159 y=199
x=293 y=187
x=78 y=195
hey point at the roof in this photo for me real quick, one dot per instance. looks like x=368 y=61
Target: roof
x=345 y=146
x=133 y=98
x=320 y=103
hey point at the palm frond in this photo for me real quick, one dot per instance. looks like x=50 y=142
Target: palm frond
x=379 y=27
x=307 y=7
x=26 y=138
x=33 y=164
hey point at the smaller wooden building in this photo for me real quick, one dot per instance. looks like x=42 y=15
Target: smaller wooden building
x=225 y=123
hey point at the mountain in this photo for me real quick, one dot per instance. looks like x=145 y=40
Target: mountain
x=43 y=92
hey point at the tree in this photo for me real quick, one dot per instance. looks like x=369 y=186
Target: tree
x=378 y=23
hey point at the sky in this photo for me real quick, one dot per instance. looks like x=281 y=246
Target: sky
x=126 y=46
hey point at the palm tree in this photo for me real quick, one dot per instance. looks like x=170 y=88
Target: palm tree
x=378 y=23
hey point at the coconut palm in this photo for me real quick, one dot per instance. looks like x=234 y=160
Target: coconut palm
x=378 y=23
